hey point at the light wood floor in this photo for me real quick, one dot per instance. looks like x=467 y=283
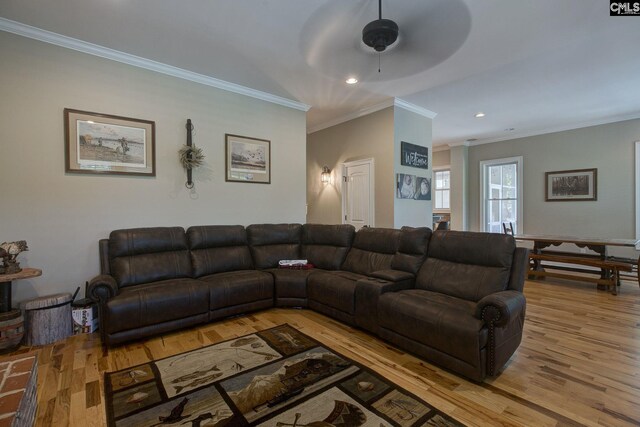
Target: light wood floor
x=579 y=363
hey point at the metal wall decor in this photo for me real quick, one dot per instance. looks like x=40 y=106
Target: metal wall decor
x=190 y=156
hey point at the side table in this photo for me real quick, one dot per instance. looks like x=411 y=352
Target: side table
x=11 y=321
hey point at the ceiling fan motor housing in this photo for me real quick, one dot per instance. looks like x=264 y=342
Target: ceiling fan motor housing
x=380 y=34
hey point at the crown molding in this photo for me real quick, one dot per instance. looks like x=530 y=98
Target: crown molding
x=440 y=147
x=563 y=128
x=136 y=61
x=414 y=108
x=359 y=113
x=391 y=102
x=459 y=144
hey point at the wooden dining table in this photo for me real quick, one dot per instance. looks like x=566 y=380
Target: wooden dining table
x=597 y=245
x=610 y=267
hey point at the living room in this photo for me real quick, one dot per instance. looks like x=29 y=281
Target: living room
x=553 y=378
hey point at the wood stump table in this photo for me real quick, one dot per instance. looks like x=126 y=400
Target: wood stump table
x=11 y=321
x=48 y=319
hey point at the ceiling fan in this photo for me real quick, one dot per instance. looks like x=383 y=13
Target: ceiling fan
x=432 y=30
x=381 y=33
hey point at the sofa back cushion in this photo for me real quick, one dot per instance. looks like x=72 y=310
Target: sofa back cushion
x=412 y=249
x=372 y=250
x=270 y=243
x=466 y=264
x=218 y=248
x=143 y=255
x=326 y=246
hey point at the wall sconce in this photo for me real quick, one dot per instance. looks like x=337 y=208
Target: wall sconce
x=325 y=176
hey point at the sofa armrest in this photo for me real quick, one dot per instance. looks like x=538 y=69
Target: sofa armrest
x=367 y=295
x=519 y=268
x=392 y=275
x=102 y=288
x=503 y=313
x=500 y=308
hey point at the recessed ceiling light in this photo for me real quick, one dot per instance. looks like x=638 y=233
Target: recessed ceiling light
x=478 y=115
x=351 y=81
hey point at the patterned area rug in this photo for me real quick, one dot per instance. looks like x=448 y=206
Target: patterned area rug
x=277 y=377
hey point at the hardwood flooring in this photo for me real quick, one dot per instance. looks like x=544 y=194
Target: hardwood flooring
x=578 y=364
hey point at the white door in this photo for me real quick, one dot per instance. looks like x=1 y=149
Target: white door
x=358 y=194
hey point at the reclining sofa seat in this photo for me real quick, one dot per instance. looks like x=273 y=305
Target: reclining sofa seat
x=220 y=256
x=467 y=310
x=370 y=263
x=148 y=288
x=323 y=246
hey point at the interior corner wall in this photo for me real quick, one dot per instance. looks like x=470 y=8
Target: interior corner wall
x=370 y=136
x=609 y=148
x=62 y=215
x=441 y=158
x=459 y=187
x=415 y=129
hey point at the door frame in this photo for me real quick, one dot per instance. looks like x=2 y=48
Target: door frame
x=372 y=189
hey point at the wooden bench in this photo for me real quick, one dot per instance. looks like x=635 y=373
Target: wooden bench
x=609 y=269
x=633 y=274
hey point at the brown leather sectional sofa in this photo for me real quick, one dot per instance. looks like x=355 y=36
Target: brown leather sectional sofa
x=454 y=298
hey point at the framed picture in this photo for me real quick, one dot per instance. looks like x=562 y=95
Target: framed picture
x=102 y=143
x=571 y=185
x=413 y=187
x=413 y=155
x=247 y=159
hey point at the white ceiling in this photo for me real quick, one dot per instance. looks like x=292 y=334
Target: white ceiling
x=535 y=66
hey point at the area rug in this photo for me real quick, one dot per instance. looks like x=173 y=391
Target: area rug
x=277 y=377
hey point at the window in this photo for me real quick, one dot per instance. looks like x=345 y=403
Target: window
x=442 y=188
x=501 y=194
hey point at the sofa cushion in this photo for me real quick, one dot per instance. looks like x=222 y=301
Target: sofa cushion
x=335 y=289
x=467 y=265
x=144 y=255
x=270 y=243
x=326 y=246
x=290 y=286
x=157 y=302
x=238 y=287
x=412 y=249
x=438 y=321
x=219 y=248
x=372 y=250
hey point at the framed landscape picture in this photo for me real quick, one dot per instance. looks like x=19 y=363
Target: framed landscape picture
x=571 y=185
x=102 y=143
x=247 y=159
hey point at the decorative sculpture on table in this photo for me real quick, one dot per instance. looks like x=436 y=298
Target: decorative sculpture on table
x=8 y=253
x=190 y=156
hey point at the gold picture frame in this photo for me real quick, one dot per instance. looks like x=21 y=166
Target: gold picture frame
x=247 y=159
x=98 y=143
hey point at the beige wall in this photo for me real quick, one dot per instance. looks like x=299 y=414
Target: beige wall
x=370 y=136
x=415 y=129
x=62 y=216
x=441 y=158
x=459 y=187
x=609 y=148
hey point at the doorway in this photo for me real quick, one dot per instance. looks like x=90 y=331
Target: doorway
x=358 y=193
